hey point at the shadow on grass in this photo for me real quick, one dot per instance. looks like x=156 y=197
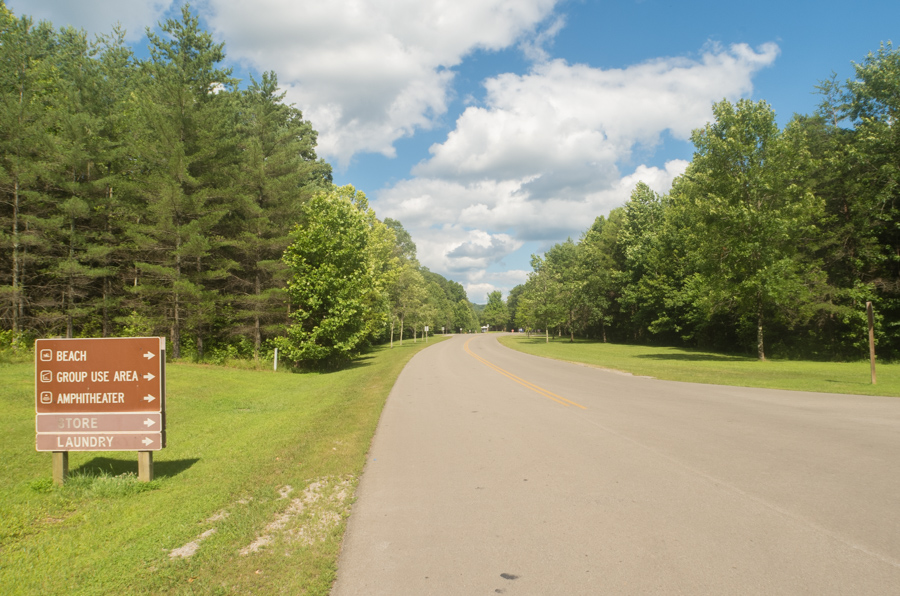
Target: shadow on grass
x=363 y=360
x=360 y=362
x=678 y=356
x=117 y=467
x=331 y=368
x=851 y=383
x=368 y=359
x=696 y=357
x=541 y=340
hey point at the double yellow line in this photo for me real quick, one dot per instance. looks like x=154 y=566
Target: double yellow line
x=539 y=390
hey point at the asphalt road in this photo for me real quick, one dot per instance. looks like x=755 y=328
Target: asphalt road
x=495 y=472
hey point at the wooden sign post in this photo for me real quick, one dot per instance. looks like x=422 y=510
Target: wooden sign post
x=100 y=395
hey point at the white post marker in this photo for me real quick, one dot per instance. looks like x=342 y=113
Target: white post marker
x=276 y=359
x=871 y=317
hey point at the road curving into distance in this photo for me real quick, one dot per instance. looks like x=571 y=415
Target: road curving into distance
x=497 y=472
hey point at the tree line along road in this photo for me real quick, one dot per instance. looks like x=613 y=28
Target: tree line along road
x=493 y=471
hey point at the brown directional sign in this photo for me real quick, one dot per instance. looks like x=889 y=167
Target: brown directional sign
x=99 y=375
x=100 y=394
x=99 y=442
x=134 y=422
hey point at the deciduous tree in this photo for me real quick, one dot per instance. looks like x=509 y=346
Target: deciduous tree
x=341 y=268
x=495 y=313
x=754 y=216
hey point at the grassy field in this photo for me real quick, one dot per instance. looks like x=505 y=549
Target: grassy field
x=697 y=366
x=250 y=496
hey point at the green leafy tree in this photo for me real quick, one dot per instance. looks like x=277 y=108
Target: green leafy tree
x=845 y=245
x=600 y=263
x=424 y=315
x=440 y=307
x=405 y=247
x=650 y=278
x=495 y=313
x=512 y=302
x=444 y=294
x=341 y=268
x=569 y=284
x=526 y=309
x=753 y=215
x=407 y=296
x=871 y=103
x=538 y=306
x=465 y=320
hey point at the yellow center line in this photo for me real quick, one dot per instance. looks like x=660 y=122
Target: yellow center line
x=539 y=390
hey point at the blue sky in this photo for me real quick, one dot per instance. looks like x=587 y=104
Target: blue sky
x=493 y=129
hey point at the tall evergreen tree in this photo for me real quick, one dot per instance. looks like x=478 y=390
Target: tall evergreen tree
x=26 y=91
x=79 y=185
x=189 y=151
x=115 y=179
x=278 y=173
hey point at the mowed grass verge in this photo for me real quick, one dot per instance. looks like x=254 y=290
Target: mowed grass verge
x=250 y=497
x=696 y=366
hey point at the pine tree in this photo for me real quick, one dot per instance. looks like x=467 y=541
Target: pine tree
x=189 y=153
x=26 y=79
x=278 y=173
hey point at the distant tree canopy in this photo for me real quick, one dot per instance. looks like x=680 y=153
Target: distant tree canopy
x=772 y=240
x=495 y=313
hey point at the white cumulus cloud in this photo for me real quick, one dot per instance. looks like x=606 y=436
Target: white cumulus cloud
x=544 y=155
x=570 y=117
x=481 y=283
x=367 y=73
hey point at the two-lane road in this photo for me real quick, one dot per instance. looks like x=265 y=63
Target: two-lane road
x=497 y=472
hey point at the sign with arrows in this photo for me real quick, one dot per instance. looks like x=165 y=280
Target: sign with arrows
x=100 y=394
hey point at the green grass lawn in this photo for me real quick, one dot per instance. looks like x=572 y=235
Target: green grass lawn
x=255 y=459
x=677 y=364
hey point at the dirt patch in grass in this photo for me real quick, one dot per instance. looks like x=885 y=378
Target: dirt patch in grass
x=309 y=518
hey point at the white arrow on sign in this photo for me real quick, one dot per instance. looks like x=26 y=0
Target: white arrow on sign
x=148 y=398
x=148 y=422
x=149 y=376
x=149 y=355
x=147 y=441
